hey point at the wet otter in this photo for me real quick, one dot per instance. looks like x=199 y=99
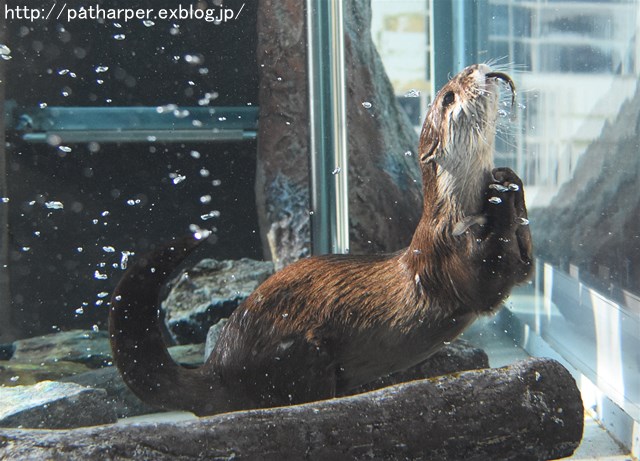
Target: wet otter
x=326 y=324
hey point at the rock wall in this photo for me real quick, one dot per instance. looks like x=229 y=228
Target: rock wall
x=385 y=192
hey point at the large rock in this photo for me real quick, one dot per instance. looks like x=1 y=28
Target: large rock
x=14 y=373
x=54 y=405
x=119 y=397
x=209 y=292
x=88 y=347
x=529 y=411
x=384 y=183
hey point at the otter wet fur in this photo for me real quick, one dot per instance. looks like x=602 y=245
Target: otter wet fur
x=327 y=324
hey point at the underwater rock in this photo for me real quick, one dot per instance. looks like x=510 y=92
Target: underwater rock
x=208 y=292
x=118 y=395
x=530 y=410
x=384 y=184
x=14 y=373
x=124 y=402
x=6 y=351
x=458 y=356
x=53 y=405
x=212 y=337
x=188 y=354
x=91 y=348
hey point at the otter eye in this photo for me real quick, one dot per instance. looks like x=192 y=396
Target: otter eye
x=448 y=99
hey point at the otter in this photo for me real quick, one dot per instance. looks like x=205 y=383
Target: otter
x=328 y=324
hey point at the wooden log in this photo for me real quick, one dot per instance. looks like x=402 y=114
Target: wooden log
x=531 y=410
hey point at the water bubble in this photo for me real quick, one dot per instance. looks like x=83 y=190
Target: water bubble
x=63 y=72
x=119 y=37
x=198 y=233
x=54 y=205
x=222 y=119
x=4 y=199
x=196 y=123
x=132 y=202
x=80 y=311
x=177 y=178
x=108 y=249
x=79 y=249
x=101 y=69
x=408 y=153
x=205 y=199
x=103 y=294
x=498 y=187
x=104 y=213
x=195 y=154
x=204 y=172
x=413 y=93
x=42 y=105
x=124 y=259
x=514 y=187
x=522 y=221
x=216 y=182
x=181 y=113
x=336 y=171
x=148 y=23
x=99 y=81
x=210 y=215
x=100 y=276
x=503 y=113
x=193 y=59
x=166 y=108
x=95 y=328
x=64 y=148
x=495 y=200
x=5 y=52
x=367 y=105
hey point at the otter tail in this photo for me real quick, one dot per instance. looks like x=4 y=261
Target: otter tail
x=136 y=340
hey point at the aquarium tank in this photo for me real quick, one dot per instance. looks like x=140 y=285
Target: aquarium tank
x=278 y=130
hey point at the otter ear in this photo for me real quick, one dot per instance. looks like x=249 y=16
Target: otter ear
x=429 y=151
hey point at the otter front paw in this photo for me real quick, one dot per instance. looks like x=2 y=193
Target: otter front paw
x=507 y=216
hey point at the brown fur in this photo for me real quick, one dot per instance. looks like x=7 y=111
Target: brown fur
x=327 y=324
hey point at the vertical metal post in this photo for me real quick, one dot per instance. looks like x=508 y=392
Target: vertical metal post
x=328 y=127
x=7 y=330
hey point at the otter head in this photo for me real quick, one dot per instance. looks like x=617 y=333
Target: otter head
x=458 y=136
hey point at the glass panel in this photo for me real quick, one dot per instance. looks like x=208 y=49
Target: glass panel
x=576 y=148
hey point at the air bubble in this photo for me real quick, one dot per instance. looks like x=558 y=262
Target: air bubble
x=148 y=23
x=498 y=187
x=100 y=276
x=495 y=200
x=522 y=221
x=54 y=205
x=514 y=187
x=412 y=94
x=119 y=37
x=336 y=171
x=210 y=215
x=367 y=105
